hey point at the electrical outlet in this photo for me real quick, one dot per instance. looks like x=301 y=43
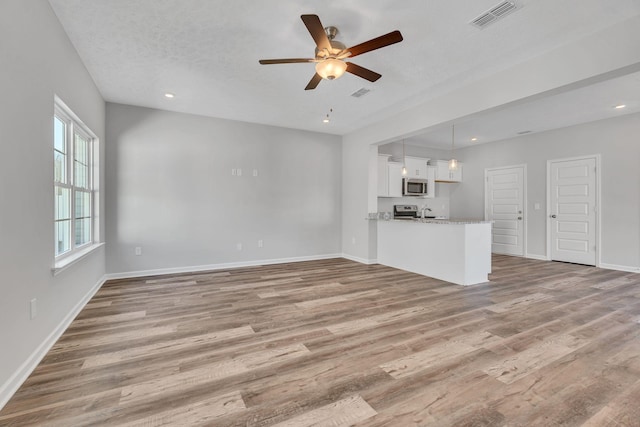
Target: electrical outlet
x=260 y=243
x=138 y=251
x=33 y=312
x=239 y=172
x=239 y=246
x=536 y=206
x=353 y=240
x=234 y=172
x=255 y=172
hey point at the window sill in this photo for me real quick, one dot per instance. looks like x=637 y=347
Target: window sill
x=66 y=262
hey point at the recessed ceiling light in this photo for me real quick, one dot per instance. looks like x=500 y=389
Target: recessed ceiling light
x=474 y=139
x=619 y=107
x=169 y=95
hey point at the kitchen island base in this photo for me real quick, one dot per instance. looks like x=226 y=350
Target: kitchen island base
x=455 y=251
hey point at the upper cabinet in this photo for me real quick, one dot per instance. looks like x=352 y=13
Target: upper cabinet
x=416 y=167
x=443 y=174
x=389 y=177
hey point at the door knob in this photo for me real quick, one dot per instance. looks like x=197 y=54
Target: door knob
x=553 y=216
x=519 y=217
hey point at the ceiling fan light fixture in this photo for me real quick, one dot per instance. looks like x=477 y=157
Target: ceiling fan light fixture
x=331 y=68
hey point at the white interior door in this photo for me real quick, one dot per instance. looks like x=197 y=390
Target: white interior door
x=572 y=208
x=504 y=205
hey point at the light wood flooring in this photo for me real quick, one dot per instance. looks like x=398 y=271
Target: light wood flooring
x=337 y=343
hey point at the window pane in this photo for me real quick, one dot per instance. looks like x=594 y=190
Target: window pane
x=81 y=173
x=82 y=217
x=83 y=231
x=81 y=161
x=62 y=203
x=63 y=240
x=59 y=132
x=59 y=167
x=83 y=204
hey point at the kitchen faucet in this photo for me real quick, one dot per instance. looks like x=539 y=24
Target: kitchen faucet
x=424 y=208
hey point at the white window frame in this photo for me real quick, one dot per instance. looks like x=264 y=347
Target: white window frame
x=75 y=126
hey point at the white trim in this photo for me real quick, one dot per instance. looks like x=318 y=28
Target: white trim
x=223 y=266
x=360 y=260
x=60 y=265
x=536 y=256
x=598 y=204
x=8 y=389
x=626 y=268
x=75 y=126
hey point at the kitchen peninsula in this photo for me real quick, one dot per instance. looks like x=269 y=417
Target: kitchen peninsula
x=456 y=251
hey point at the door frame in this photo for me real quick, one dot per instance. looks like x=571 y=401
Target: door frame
x=597 y=206
x=525 y=211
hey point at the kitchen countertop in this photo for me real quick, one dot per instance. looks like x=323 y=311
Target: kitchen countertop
x=434 y=221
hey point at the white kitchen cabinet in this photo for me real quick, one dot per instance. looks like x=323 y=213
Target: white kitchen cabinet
x=395 y=179
x=389 y=177
x=443 y=174
x=431 y=184
x=416 y=167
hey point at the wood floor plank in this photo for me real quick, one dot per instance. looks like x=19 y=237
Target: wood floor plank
x=210 y=373
x=340 y=298
x=342 y=413
x=195 y=414
x=163 y=346
x=522 y=364
x=335 y=342
x=436 y=354
x=518 y=302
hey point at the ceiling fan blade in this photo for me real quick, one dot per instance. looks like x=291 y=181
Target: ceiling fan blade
x=317 y=31
x=377 y=43
x=313 y=83
x=365 y=73
x=285 y=61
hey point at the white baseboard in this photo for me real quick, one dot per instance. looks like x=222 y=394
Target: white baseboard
x=538 y=257
x=360 y=260
x=626 y=268
x=12 y=385
x=223 y=266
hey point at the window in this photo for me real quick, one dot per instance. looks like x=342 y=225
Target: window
x=74 y=189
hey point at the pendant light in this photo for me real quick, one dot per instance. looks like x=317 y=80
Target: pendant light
x=404 y=161
x=453 y=163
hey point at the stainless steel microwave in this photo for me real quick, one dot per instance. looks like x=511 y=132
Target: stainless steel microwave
x=415 y=187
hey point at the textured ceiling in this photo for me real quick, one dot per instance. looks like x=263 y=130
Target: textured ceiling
x=207 y=51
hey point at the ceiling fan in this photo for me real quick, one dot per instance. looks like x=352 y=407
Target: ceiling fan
x=330 y=53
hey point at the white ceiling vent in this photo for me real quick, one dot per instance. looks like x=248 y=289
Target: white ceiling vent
x=360 y=92
x=493 y=14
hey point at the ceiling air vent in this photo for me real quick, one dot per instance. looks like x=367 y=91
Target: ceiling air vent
x=493 y=14
x=360 y=92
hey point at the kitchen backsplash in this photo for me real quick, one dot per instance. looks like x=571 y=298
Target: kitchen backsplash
x=439 y=205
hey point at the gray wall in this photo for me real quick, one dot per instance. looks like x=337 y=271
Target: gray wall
x=38 y=61
x=616 y=140
x=172 y=193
